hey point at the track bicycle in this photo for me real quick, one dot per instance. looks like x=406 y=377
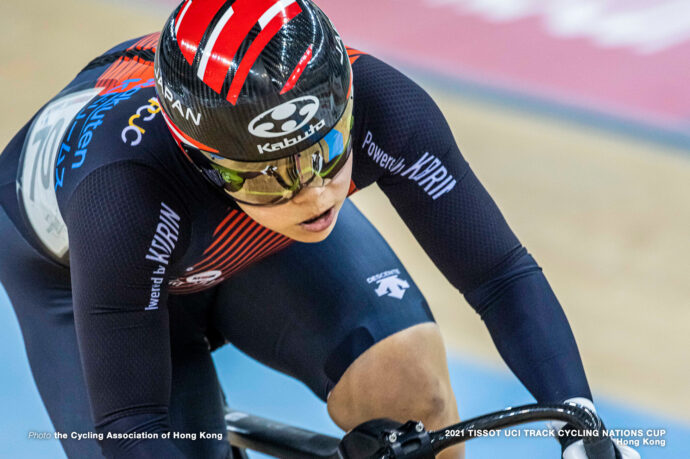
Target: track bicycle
x=387 y=439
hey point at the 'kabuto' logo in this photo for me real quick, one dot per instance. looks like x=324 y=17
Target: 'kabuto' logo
x=285 y=118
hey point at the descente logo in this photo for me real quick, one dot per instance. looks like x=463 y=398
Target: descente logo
x=389 y=284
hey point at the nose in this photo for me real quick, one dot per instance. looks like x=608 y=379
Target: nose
x=309 y=195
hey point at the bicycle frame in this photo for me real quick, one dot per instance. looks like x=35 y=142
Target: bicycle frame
x=278 y=439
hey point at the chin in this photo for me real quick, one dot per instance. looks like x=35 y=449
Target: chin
x=305 y=236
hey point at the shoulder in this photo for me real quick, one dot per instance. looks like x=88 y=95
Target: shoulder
x=117 y=126
x=108 y=113
x=389 y=103
x=113 y=161
x=396 y=121
x=370 y=72
x=377 y=82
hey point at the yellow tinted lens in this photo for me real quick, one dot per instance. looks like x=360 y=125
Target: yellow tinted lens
x=269 y=182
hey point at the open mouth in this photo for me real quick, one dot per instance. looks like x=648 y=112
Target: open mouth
x=312 y=220
x=320 y=222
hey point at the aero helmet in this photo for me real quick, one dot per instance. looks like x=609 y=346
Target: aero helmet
x=266 y=82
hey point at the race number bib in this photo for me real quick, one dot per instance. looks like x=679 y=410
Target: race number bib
x=37 y=170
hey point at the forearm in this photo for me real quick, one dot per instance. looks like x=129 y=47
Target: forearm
x=530 y=330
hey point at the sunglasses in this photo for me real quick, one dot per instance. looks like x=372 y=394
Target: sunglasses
x=270 y=183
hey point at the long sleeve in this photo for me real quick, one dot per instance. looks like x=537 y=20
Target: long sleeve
x=125 y=235
x=408 y=149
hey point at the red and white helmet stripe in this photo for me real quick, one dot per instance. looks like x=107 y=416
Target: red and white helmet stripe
x=228 y=34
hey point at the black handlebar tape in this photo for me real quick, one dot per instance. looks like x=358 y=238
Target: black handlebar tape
x=601 y=448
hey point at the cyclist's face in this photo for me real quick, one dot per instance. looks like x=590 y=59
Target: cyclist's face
x=295 y=218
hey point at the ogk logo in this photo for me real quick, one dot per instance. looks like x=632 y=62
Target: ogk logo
x=389 y=284
x=285 y=118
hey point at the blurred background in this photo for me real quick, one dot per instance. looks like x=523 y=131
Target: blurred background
x=575 y=114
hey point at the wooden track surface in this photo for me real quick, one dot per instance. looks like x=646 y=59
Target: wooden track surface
x=607 y=217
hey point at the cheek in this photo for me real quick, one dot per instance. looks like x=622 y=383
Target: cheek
x=273 y=218
x=342 y=181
